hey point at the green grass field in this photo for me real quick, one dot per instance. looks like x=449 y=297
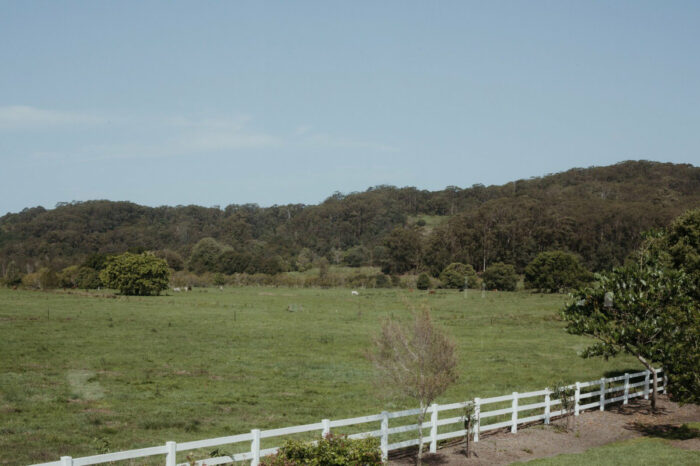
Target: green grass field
x=635 y=452
x=86 y=374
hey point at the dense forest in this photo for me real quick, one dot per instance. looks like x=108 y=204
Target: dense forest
x=596 y=213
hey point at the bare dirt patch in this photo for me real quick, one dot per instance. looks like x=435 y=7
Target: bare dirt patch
x=590 y=429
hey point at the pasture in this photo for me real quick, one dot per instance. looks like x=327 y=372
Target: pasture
x=89 y=373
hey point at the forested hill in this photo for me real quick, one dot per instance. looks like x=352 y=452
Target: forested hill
x=596 y=212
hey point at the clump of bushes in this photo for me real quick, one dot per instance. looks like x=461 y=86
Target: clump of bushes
x=136 y=274
x=423 y=281
x=331 y=450
x=500 y=276
x=456 y=274
x=555 y=271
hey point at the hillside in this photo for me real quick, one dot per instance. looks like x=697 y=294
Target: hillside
x=595 y=212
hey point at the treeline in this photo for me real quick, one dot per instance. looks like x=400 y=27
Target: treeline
x=596 y=213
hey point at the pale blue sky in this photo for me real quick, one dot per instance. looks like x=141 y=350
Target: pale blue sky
x=214 y=103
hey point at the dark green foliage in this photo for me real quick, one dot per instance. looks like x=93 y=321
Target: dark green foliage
x=555 y=271
x=234 y=262
x=136 y=274
x=88 y=279
x=323 y=266
x=96 y=261
x=423 y=281
x=500 y=276
x=48 y=278
x=652 y=317
x=682 y=242
x=331 y=450
x=68 y=277
x=356 y=257
x=456 y=275
x=205 y=255
x=173 y=258
x=13 y=276
x=596 y=213
x=404 y=247
x=382 y=281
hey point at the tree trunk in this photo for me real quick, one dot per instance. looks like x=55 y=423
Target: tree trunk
x=421 y=417
x=655 y=380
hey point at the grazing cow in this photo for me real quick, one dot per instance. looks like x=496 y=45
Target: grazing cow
x=354 y=293
x=177 y=289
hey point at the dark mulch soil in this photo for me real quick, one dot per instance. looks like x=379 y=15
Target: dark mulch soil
x=590 y=429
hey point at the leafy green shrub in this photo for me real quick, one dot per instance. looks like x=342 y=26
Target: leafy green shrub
x=13 y=276
x=455 y=274
x=68 y=277
x=205 y=255
x=88 y=279
x=382 y=281
x=356 y=257
x=136 y=274
x=423 y=282
x=48 y=279
x=500 y=276
x=554 y=271
x=331 y=450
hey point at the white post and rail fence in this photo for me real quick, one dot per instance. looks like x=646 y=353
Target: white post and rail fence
x=508 y=411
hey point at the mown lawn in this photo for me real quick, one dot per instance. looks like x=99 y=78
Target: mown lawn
x=86 y=374
x=635 y=452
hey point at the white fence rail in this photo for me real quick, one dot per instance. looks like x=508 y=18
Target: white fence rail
x=621 y=388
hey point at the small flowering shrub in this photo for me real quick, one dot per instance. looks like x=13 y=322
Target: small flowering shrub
x=331 y=450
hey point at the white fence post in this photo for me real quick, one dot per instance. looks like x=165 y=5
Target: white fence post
x=514 y=426
x=433 y=428
x=577 y=398
x=171 y=458
x=664 y=383
x=66 y=461
x=646 y=386
x=627 y=388
x=326 y=427
x=602 y=394
x=546 y=406
x=385 y=436
x=477 y=418
x=255 y=447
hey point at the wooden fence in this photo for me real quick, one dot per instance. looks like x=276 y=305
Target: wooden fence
x=506 y=410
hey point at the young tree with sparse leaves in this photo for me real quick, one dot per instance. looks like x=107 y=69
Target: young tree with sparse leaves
x=417 y=361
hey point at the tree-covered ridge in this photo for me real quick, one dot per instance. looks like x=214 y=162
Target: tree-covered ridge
x=596 y=213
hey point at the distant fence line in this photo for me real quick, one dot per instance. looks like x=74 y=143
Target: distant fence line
x=621 y=388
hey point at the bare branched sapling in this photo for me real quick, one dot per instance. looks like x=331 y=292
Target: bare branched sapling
x=417 y=361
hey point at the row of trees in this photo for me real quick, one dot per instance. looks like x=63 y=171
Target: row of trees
x=594 y=213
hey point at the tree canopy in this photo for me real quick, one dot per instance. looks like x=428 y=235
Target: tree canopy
x=554 y=271
x=136 y=274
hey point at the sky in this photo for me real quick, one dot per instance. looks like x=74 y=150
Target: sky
x=276 y=102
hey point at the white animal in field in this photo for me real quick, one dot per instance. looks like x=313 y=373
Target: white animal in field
x=354 y=293
x=177 y=289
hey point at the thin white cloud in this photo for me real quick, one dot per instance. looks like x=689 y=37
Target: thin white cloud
x=171 y=136
x=331 y=141
x=23 y=117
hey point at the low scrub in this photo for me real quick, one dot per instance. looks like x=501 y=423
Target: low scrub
x=331 y=450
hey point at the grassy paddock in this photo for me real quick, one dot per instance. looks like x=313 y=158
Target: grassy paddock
x=633 y=452
x=82 y=374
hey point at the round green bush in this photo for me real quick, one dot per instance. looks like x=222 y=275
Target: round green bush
x=500 y=276
x=423 y=282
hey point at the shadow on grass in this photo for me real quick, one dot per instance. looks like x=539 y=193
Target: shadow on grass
x=666 y=431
